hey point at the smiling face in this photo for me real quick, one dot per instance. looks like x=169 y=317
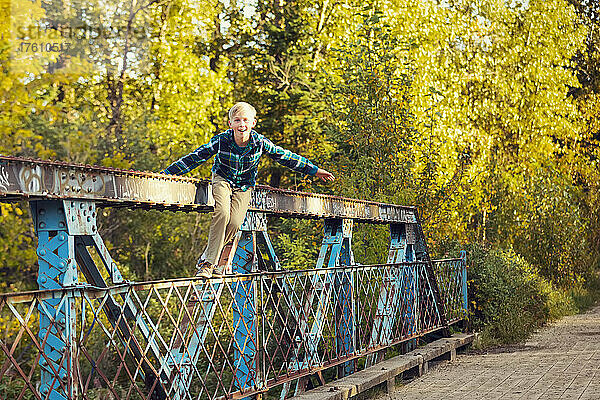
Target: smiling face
x=242 y=122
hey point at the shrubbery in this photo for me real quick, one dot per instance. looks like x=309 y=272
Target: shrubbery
x=509 y=299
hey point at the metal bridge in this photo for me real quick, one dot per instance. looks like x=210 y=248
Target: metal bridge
x=262 y=330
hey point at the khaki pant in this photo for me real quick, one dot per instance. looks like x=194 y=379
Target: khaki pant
x=231 y=204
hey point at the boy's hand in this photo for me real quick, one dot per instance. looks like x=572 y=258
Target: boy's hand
x=324 y=175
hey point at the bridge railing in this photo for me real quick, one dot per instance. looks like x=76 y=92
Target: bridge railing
x=451 y=277
x=185 y=338
x=88 y=333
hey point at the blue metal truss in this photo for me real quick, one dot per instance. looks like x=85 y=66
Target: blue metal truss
x=400 y=283
x=336 y=251
x=67 y=232
x=463 y=284
x=57 y=269
x=182 y=360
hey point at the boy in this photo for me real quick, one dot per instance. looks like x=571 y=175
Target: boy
x=237 y=152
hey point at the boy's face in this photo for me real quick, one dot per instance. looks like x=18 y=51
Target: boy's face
x=242 y=122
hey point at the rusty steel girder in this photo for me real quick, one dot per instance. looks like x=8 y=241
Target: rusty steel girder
x=28 y=179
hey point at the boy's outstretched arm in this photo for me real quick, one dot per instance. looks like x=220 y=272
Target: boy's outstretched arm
x=193 y=159
x=294 y=161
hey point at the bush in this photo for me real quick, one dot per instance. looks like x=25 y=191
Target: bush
x=509 y=298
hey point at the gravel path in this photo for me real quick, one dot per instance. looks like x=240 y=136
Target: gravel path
x=561 y=361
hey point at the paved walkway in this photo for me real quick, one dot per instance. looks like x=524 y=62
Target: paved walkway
x=562 y=361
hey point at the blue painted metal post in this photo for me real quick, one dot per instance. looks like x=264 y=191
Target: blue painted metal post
x=400 y=284
x=390 y=291
x=410 y=288
x=344 y=288
x=337 y=234
x=463 y=257
x=57 y=269
x=182 y=360
x=245 y=304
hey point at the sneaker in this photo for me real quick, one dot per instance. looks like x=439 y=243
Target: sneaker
x=218 y=271
x=205 y=270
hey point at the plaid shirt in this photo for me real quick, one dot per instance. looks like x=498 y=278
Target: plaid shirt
x=239 y=165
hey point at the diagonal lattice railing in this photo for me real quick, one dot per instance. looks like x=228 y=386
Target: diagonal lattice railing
x=119 y=359
x=451 y=276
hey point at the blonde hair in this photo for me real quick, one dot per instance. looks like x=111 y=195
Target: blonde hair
x=240 y=107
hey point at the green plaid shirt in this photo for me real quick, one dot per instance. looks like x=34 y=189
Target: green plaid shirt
x=239 y=165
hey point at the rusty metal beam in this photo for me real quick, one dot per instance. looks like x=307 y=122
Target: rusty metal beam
x=27 y=179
